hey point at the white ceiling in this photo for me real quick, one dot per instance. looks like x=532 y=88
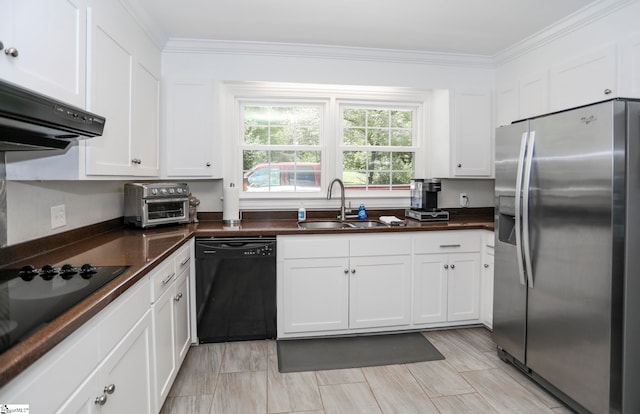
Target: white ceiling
x=483 y=27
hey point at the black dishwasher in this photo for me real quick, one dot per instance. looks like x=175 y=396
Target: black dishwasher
x=235 y=288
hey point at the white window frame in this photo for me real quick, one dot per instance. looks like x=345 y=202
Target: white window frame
x=331 y=98
x=417 y=126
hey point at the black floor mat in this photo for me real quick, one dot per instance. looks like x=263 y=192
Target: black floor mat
x=354 y=352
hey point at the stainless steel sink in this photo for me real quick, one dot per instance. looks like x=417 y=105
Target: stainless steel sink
x=333 y=224
x=323 y=225
x=367 y=224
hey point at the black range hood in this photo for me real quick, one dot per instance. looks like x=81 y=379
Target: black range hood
x=32 y=121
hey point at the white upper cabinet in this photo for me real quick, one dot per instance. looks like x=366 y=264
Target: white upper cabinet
x=629 y=58
x=461 y=143
x=44 y=47
x=533 y=97
x=123 y=86
x=472 y=132
x=122 y=67
x=189 y=137
x=507 y=109
x=586 y=79
x=524 y=98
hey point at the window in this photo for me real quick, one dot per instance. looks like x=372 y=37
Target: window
x=281 y=147
x=377 y=147
x=290 y=140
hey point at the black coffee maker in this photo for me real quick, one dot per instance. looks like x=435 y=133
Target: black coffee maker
x=424 y=200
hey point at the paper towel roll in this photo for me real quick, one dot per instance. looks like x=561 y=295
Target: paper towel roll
x=230 y=205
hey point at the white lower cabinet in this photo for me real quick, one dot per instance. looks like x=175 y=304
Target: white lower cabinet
x=170 y=314
x=317 y=295
x=330 y=285
x=342 y=284
x=486 y=314
x=380 y=291
x=463 y=287
x=447 y=287
x=124 y=359
x=122 y=383
x=429 y=288
x=446 y=268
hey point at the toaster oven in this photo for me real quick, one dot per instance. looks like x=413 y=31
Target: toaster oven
x=153 y=204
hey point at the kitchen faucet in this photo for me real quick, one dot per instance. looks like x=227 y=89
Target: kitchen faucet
x=342 y=215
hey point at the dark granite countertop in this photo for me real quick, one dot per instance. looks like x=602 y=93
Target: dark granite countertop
x=110 y=243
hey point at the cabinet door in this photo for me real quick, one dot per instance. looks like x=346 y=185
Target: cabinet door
x=50 y=40
x=463 y=287
x=507 y=103
x=144 y=122
x=110 y=87
x=190 y=138
x=487 y=289
x=534 y=95
x=472 y=155
x=164 y=343
x=630 y=67
x=315 y=294
x=430 y=288
x=83 y=401
x=379 y=291
x=590 y=78
x=182 y=317
x=129 y=369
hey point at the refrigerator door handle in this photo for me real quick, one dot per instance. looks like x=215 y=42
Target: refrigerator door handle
x=526 y=245
x=518 y=206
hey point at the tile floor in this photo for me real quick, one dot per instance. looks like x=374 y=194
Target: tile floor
x=243 y=377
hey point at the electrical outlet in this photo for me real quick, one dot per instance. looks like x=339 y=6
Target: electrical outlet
x=464 y=201
x=58 y=216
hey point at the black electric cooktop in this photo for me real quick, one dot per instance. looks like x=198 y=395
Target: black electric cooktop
x=31 y=297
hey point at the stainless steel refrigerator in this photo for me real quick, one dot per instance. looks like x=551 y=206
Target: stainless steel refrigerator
x=567 y=253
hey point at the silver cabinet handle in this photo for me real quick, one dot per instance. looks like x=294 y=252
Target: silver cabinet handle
x=168 y=278
x=486 y=265
x=449 y=245
x=353 y=271
x=459 y=165
x=101 y=400
x=446 y=266
x=346 y=271
x=453 y=266
x=110 y=389
x=178 y=297
x=607 y=91
x=12 y=51
x=208 y=164
x=1 y=45
x=185 y=261
x=136 y=161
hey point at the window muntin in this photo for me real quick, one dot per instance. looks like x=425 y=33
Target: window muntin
x=281 y=149
x=378 y=147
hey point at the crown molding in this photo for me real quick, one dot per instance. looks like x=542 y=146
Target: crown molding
x=583 y=17
x=222 y=47
x=155 y=33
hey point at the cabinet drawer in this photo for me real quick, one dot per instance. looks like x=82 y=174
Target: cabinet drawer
x=313 y=247
x=447 y=242
x=162 y=277
x=380 y=245
x=183 y=259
